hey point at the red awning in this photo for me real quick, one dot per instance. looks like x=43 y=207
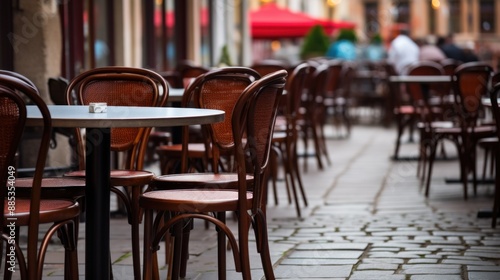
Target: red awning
x=273 y=22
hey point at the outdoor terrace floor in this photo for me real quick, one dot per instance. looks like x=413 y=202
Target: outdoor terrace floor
x=367 y=219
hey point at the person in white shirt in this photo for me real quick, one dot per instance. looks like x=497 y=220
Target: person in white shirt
x=403 y=51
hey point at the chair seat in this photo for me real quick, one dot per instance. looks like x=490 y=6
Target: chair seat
x=490 y=142
x=437 y=124
x=55 y=187
x=193 y=200
x=121 y=177
x=50 y=211
x=195 y=150
x=198 y=180
x=479 y=131
x=405 y=110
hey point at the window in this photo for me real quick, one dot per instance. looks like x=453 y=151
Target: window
x=432 y=20
x=403 y=12
x=454 y=16
x=487 y=16
x=371 y=15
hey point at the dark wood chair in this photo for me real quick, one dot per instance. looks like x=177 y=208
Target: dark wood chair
x=251 y=127
x=470 y=83
x=315 y=116
x=265 y=67
x=217 y=89
x=286 y=133
x=123 y=86
x=494 y=95
x=32 y=211
x=403 y=111
x=426 y=101
x=170 y=154
x=51 y=187
x=489 y=145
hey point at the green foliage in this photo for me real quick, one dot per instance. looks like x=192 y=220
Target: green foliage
x=315 y=43
x=347 y=34
x=225 y=59
x=376 y=39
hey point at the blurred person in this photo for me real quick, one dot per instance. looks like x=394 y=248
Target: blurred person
x=451 y=50
x=429 y=51
x=403 y=51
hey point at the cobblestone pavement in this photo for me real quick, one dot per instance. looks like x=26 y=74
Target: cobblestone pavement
x=367 y=218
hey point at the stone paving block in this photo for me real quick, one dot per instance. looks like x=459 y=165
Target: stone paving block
x=331 y=254
x=492 y=267
x=314 y=262
x=376 y=275
x=383 y=260
x=437 y=269
x=483 y=254
x=423 y=261
x=435 y=277
x=309 y=272
x=377 y=266
x=332 y=246
x=480 y=275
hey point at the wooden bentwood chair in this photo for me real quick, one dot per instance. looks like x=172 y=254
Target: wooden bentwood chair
x=33 y=211
x=252 y=124
x=470 y=83
x=494 y=95
x=123 y=86
x=219 y=89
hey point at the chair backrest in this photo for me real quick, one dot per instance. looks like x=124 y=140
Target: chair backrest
x=122 y=86
x=57 y=90
x=449 y=65
x=495 y=110
x=334 y=77
x=319 y=85
x=14 y=96
x=18 y=76
x=295 y=86
x=252 y=125
x=347 y=78
x=420 y=93
x=268 y=66
x=173 y=78
x=189 y=73
x=470 y=84
x=217 y=89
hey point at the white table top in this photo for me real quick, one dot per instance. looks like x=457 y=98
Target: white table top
x=420 y=79
x=122 y=116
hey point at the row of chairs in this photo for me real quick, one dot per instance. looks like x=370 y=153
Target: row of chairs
x=252 y=108
x=317 y=92
x=453 y=111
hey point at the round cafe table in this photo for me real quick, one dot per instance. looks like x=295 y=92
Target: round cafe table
x=97 y=194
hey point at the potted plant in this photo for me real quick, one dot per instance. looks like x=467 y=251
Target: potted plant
x=315 y=44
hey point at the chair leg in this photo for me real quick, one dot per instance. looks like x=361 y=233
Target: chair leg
x=177 y=233
x=243 y=229
x=260 y=228
x=148 y=251
x=186 y=230
x=432 y=156
x=400 y=124
x=221 y=247
x=136 y=251
x=496 y=201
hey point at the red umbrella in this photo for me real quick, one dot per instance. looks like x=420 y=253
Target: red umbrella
x=271 y=22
